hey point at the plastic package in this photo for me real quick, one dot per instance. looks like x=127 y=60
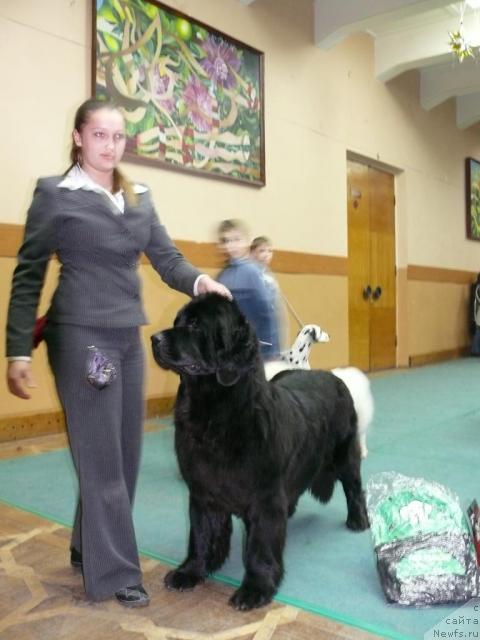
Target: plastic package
x=423 y=544
x=101 y=371
x=473 y=513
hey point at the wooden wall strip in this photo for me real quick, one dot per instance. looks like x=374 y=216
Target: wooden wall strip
x=10 y=239
x=31 y=425
x=159 y=406
x=309 y=263
x=437 y=274
x=201 y=254
x=438 y=356
x=41 y=424
x=205 y=254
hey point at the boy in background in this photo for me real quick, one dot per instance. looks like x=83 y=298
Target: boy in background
x=261 y=251
x=245 y=280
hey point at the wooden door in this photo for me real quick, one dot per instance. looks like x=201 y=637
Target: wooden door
x=371 y=262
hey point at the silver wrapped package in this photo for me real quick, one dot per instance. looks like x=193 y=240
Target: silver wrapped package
x=422 y=539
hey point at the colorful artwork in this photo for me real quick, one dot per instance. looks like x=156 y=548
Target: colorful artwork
x=192 y=97
x=473 y=198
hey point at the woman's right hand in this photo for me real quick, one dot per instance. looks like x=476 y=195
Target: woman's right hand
x=20 y=377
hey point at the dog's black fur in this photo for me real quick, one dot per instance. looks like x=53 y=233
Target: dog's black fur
x=249 y=447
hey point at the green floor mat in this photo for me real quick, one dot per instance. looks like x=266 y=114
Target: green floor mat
x=427 y=424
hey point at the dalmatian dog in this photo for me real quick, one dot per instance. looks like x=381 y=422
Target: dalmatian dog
x=297 y=357
x=356 y=381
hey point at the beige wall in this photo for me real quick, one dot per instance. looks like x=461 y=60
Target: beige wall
x=320 y=105
x=437 y=316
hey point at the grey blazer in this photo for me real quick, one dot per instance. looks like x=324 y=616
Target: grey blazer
x=98 y=251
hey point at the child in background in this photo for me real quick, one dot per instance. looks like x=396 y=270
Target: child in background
x=246 y=281
x=261 y=250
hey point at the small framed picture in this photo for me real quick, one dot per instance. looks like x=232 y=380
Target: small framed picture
x=472 y=188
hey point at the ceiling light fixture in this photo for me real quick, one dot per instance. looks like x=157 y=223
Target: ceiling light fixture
x=459 y=42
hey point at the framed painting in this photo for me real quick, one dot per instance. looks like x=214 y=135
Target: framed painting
x=192 y=97
x=472 y=189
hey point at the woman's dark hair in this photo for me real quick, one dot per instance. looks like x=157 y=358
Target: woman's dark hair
x=82 y=116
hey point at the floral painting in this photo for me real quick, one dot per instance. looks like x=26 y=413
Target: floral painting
x=192 y=97
x=473 y=198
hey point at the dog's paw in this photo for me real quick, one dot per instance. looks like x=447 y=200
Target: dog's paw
x=179 y=581
x=358 y=522
x=246 y=598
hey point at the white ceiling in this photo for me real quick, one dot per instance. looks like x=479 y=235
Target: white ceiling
x=411 y=34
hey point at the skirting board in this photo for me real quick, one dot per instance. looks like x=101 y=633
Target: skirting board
x=438 y=356
x=41 y=424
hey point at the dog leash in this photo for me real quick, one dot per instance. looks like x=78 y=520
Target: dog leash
x=292 y=310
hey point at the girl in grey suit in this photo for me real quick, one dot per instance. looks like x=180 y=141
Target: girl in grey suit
x=98 y=224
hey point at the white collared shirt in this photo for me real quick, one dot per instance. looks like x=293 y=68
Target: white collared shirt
x=77 y=178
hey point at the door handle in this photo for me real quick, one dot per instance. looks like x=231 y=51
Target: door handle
x=377 y=293
x=367 y=292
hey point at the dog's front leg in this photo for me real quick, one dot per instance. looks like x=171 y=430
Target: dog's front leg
x=208 y=547
x=263 y=556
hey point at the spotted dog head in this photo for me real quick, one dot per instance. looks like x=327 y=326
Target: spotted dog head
x=297 y=356
x=316 y=333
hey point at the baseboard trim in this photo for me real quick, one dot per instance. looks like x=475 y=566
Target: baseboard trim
x=159 y=406
x=31 y=425
x=47 y=423
x=437 y=356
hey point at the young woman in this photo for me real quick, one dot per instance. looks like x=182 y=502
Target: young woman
x=98 y=224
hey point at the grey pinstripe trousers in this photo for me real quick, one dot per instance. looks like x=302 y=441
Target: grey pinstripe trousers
x=105 y=434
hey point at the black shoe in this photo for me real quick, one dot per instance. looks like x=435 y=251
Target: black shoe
x=135 y=596
x=75 y=558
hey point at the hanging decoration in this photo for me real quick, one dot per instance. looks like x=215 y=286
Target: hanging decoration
x=458 y=41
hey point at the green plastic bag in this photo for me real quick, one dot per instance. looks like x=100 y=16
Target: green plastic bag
x=422 y=541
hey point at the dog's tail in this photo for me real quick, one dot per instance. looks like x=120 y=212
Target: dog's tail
x=359 y=386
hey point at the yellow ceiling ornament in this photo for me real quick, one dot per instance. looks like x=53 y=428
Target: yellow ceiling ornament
x=458 y=41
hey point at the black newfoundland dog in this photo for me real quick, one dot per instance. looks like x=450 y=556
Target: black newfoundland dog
x=250 y=448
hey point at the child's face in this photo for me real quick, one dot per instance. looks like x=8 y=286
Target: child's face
x=234 y=244
x=263 y=254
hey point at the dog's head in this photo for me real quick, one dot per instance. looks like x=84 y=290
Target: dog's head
x=314 y=333
x=307 y=335
x=210 y=336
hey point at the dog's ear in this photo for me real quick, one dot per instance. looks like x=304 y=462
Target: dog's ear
x=238 y=355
